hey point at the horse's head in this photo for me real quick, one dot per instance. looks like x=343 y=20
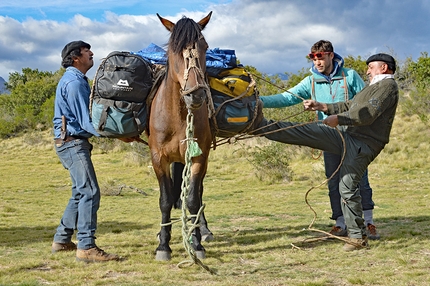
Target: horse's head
x=187 y=59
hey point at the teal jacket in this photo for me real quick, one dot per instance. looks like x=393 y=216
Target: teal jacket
x=322 y=88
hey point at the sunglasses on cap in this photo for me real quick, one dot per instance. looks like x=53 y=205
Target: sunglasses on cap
x=317 y=55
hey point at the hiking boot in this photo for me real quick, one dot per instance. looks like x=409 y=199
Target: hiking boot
x=95 y=254
x=57 y=246
x=338 y=231
x=356 y=244
x=371 y=232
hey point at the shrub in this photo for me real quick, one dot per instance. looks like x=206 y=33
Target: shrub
x=272 y=162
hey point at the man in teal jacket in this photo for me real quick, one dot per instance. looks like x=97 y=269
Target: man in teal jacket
x=330 y=82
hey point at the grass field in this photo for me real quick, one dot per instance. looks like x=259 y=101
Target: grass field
x=259 y=227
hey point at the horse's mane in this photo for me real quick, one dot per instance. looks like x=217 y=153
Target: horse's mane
x=185 y=32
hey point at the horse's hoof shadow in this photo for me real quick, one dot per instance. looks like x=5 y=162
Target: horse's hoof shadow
x=206 y=234
x=163 y=255
x=200 y=254
x=207 y=237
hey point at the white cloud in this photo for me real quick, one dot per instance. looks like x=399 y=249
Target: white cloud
x=271 y=35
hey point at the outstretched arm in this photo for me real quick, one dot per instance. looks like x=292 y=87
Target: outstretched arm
x=312 y=105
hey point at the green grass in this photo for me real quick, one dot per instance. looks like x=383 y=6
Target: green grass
x=259 y=226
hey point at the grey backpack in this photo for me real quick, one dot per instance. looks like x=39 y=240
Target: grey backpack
x=121 y=86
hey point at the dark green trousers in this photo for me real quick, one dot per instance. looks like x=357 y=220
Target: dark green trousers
x=357 y=157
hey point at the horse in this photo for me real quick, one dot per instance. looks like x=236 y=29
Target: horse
x=184 y=88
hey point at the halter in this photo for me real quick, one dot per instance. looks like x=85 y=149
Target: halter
x=191 y=59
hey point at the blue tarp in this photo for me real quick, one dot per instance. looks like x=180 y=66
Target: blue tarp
x=216 y=59
x=154 y=54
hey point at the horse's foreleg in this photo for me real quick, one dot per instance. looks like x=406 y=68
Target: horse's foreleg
x=194 y=203
x=163 y=251
x=177 y=170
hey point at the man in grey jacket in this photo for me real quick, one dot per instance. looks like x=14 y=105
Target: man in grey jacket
x=369 y=117
x=330 y=82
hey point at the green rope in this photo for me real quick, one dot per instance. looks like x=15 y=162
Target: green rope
x=193 y=150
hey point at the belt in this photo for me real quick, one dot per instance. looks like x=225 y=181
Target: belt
x=59 y=141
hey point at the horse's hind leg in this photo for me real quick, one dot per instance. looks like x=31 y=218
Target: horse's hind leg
x=206 y=234
x=177 y=170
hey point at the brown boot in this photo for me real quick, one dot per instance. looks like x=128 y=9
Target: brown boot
x=371 y=232
x=338 y=231
x=69 y=246
x=95 y=254
x=356 y=244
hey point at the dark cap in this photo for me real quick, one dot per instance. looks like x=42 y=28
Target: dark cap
x=389 y=60
x=73 y=46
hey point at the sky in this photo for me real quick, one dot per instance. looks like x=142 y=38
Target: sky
x=273 y=36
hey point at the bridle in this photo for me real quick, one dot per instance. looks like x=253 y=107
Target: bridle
x=192 y=64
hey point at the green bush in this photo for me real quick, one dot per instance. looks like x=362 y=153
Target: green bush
x=272 y=162
x=418 y=102
x=30 y=104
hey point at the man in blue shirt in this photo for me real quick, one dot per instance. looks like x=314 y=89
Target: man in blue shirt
x=330 y=82
x=72 y=128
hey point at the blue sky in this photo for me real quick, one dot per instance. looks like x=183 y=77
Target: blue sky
x=271 y=35
x=58 y=10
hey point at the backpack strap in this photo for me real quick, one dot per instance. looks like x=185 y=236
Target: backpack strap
x=313 y=89
x=345 y=86
x=103 y=118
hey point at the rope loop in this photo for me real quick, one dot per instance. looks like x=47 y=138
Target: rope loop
x=191 y=59
x=187 y=231
x=251 y=134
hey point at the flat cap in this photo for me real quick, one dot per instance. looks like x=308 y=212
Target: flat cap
x=73 y=46
x=381 y=57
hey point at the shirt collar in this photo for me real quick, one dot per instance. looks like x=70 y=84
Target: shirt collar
x=75 y=70
x=380 y=77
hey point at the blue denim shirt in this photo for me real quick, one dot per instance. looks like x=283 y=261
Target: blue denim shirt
x=72 y=100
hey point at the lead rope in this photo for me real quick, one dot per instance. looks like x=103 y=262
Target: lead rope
x=193 y=150
x=310 y=227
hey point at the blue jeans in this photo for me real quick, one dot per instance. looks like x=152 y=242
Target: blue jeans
x=81 y=211
x=331 y=163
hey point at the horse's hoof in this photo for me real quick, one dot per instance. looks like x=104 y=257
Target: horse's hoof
x=163 y=255
x=207 y=237
x=200 y=254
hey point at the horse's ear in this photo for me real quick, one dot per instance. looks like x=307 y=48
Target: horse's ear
x=203 y=22
x=166 y=23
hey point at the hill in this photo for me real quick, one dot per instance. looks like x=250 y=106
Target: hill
x=2 y=86
x=282 y=76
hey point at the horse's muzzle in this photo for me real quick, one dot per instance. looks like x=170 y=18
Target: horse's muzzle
x=194 y=100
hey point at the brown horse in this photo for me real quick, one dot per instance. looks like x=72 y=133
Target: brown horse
x=183 y=89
